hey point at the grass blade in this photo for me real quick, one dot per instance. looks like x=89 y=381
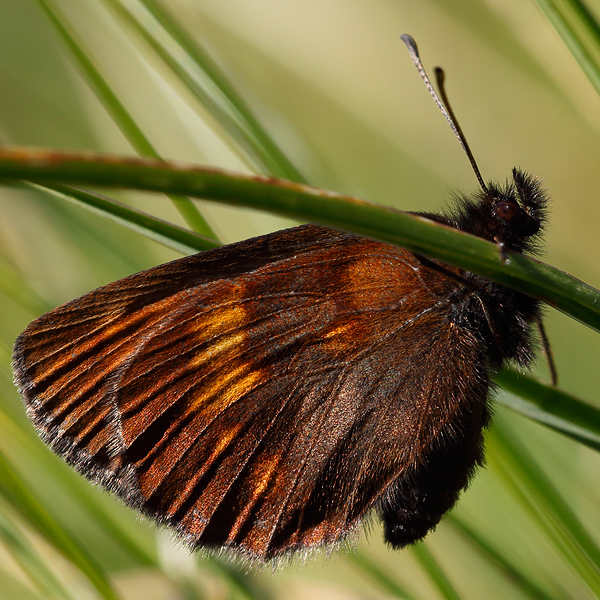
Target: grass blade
x=546 y=505
x=580 y=32
x=119 y=113
x=435 y=572
x=209 y=85
x=14 y=491
x=383 y=579
x=417 y=234
x=163 y=232
x=515 y=573
x=31 y=562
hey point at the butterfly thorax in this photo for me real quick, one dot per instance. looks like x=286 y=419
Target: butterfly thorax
x=511 y=216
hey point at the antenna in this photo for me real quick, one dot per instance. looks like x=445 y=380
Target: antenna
x=443 y=104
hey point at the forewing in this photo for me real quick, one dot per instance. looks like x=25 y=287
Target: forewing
x=262 y=396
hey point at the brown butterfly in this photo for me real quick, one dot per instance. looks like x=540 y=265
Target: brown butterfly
x=267 y=395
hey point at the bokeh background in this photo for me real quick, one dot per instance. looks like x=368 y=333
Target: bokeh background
x=335 y=87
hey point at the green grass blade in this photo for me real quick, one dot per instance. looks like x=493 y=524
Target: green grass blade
x=169 y=235
x=551 y=406
x=543 y=490
x=15 y=286
x=435 y=571
x=513 y=572
x=556 y=288
x=241 y=584
x=119 y=113
x=580 y=32
x=277 y=162
x=30 y=561
x=14 y=589
x=15 y=492
x=545 y=505
x=380 y=576
x=209 y=85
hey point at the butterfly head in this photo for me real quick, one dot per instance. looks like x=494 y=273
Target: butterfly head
x=512 y=215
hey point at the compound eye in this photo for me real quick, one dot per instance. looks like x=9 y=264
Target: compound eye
x=507 y=210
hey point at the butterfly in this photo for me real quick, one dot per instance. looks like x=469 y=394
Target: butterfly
x=267 y=396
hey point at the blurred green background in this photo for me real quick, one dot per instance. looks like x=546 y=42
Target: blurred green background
x=335 y=87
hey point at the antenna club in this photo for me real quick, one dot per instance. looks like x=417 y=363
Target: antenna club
x=443 y=103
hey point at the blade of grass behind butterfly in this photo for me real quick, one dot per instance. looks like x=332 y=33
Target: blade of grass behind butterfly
x=107 y=250
x=16 y=436
x=118 y=112
x=579 y=31
x=379 y=575
x=30 y=561
x=543 y=490
x=435 y=571
x=13 y=588
x=240 y=583
x=23 y=501
x=203 y=78
x=5 y=369
x=15 y=286
x=544 y=504
x=551 y=407
x=165 y=233
x=519 y=576
x=257 y=134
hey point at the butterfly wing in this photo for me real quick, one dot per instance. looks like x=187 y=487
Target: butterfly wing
x=265 y=395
